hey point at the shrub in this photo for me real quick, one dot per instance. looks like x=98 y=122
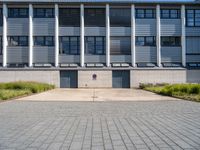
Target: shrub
x=8 y=94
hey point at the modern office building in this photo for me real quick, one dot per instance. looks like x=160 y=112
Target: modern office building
x=100 y=43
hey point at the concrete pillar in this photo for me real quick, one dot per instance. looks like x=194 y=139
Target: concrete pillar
x=183 y=39
x=30 y=35
x=133 y=35
x=82 y=40
x=107 y=35
x=5 y=42
x=56 y=35
x=158 y=38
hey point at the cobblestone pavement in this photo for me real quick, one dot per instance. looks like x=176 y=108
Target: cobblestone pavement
x=100 y=125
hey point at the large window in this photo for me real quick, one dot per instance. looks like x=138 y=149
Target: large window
x=69 y=17
x=120 y=45
x=95 y=45
x=170 y=41
x=1 y=45
x=17 y=40
x=193 y=17
x=43 y=13
x=43 y=41
x=170 y=13
x=145 y=41
x=1 y=17
x=120 y=17
x=18 y=13
x=69 y=45
x=94 y=17
x=145 y=13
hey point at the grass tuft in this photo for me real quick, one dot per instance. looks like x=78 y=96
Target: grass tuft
x=183 y=91
x=15 y=89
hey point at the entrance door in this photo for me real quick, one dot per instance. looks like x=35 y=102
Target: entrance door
x=120 y=79
x=68 y=79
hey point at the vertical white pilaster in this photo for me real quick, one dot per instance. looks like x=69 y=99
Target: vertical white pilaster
x=158 y=35
x=56 y=35
x=30 y=35
x=107 y=35
x=5 y=42
x=82 y=40
x=133 y=35
x=183 y=39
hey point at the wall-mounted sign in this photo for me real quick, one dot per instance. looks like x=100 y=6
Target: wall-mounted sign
x=94 y=77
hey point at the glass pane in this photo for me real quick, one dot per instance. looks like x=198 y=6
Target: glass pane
x=23 y=40
x=149 y=41
x=39 y=41
x=174 y=13
x=149 y=13
x=140 y=13
x=165 y=13
x=73 y=45
x=140 y=41
x=49 y=13
x=49 y=41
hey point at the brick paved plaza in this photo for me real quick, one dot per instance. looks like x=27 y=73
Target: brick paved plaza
x=99 y=125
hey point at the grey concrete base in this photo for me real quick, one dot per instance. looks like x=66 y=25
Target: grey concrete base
x=104 y=77
x=50 y=77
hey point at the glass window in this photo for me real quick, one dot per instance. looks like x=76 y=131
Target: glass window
x=17 y=40
x=140 y=41
x=120 y=17
x=145 y=13
x=43 y=13
x=23 y=40
x=69 y=45
x=39 y=41
x=49 y=41
x=43 y=41
x=170 y=41
x=1 y=17
x=95 y=17
x=145 y=41
x=193 y=17
x=1 y=45
x=170 y=13
x=69 y=17
x=95 y=45
x=18 y=12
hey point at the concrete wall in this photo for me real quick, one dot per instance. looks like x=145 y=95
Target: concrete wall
x=50 y=77
x=193 y=76
x=157 y=76
x=104 y=79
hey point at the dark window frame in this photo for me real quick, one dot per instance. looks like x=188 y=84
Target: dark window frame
x=145 y=41
x=171 y=39
x=115 y=22
x=178 y=14
x=15 y=13
x=44 y=41
x=72 y=14
x=44 y=15
x=62 y=52
x=94 y=20
x=1 y=45
x=1 y=17
x=19 y=42
x=194 y=18
x=95 y=45
x=145 y=13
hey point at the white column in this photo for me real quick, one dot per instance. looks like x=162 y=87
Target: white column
x=82 y=44
x=158 y=35
x=183 y=39
x=30 y=35
x=56 y=35
x=107 y=35
x=5 y=42
x=133 y=35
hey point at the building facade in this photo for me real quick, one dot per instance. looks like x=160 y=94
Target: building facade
x=105 y=43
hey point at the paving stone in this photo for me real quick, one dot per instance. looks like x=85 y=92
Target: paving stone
x=100 y=125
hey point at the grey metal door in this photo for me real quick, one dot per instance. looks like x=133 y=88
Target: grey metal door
x=68 y=79
x=120 y=79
